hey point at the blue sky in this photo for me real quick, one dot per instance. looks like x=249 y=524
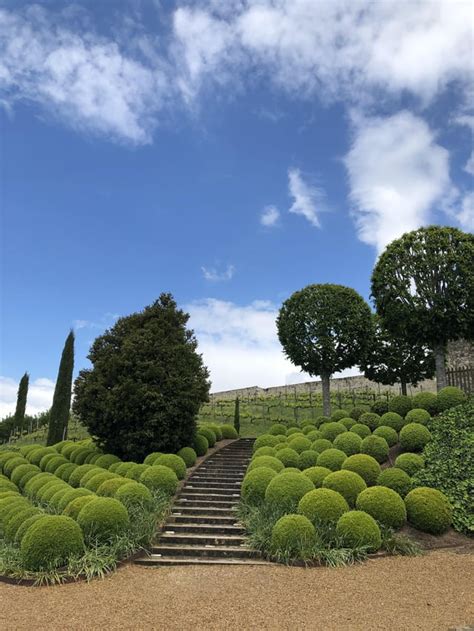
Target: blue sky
x=230 y=153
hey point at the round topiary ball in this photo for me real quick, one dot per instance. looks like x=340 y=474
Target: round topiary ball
x=369 y=419
x=20 y=472
x=217 y=429
x=308 y=459
x=255 y=484
x=410 y=463
x=361 y=430
x=289 y=457
x=418 y=415
x=291 y=535
x=285 y=491
x=46 y=492
x=109 y=487
x=266 y=461
x=393 y=420
x=375 y=446
x=200 y=445
x=384 y=504
x=50 y=541
x=388 y=433
x=338 y=414
x=366 y=466
x=35 y=456
x=428 y=510
x=379 y=407
x=313 y=435
x=276 y=429
x=150 y=459
x=426 y=401
x=347 y=483
x=77 y=475
x=395 y=479
x=160 y=478
x=331 y=459
x=136 y=471
x=322 y=506
x=12 y=463
x=103 y=518
x=135 y=495
x=449 y=397
x=55 y=463
x=264 y=451
x=356 y=413
x=265 y=440
x=173 y=462
x=293 y=430
x=308 y=428
x=400 y=404
x=348 y=442
x=75 y=506
x=95 y=481
x=106 y=460
x=317 y=475
x=358 y=529
x=209 y=434
x=414 y=437
x=348 y=422
x=25 y=525
x=332 y=429
x=321 y=444
x=14 y=522
x=65 y=470
x=71 y=494
x=299 y=444
x=229 y=432
x=188 y=455
x=35 y=484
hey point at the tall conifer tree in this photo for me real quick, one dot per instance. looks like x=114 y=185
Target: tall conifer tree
x=21 y=402
x=60 y=409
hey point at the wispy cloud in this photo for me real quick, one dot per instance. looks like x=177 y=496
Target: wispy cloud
x=214 y=275
x=102 y=323
x=40 y=395
x=269 y=216
x=308 y=200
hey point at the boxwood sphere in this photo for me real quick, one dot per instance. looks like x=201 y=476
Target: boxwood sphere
x=124 y=467
x=396 y=479
x=289 y=457
x=75 y=506
x=321 y=444
x=209 y=434
x=356 y=413
x=103 y=518
x=361 y=430
x=19 y=473
x=280 y=446
x=299 y=444
x=35 y=484
x=65 y=470
x=370 y=419
x=450 y=396
x=255 y=484
x=25 y=525
x=95 y=481
x=313 y=435
x=410 y=463
x=106 y=460
x=379 y=407
x=229 y=432
x=400 y=404
x=46 y=458
x=388 y=433
x=308 y=428
x=136 y=471
x=8 y=509
x=375 y=446
x=331 y=430
x=173 y=462
x=50 y=541
x=366 y=466
x=55 y=463
x=291 y=534
x=393 y=420
x=426 y=401
x=56 y=498
x=348 y=422
x=384 y=504
x=188 y=455
x=36 y=455
x=217 y=429
x=12 y=463
x=266 y=461
x=332 y=459
x=14 y=521
x=264 y=451
x=317 y=475
x=322 y=506
x=428 y=510
x=285 y=491
x=277 y=428
x=293 y=430
x=348 y=442
x=289 y=470
x=414 y=437
x=150 y=459
x=91 y=474
x=77 y=475
x=134 y=495
x=418 y=415
x=71 y=494
x=47 y=491
x=84 y=455
x=109 y=487
x=200 y=444
x=67 y=450
x=357 y=528
x=347 y=483
x=265 y=440
x=308 y=459
x=338 y=414
x=158 y=477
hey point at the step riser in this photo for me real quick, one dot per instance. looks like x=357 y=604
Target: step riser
x=204 y=503
x=205 y=540
x=242 y=553
x=203 y=520
x=209 y=490
x=213 y=484
x=205 y=529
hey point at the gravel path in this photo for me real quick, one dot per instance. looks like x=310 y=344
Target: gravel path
x=396 y=593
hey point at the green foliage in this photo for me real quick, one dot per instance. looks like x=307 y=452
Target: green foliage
x=384 y=504
x=410 y=463
x=159 y=477
x=348 y=442
x=360 y=429
x=166 y=382
x=379 y=407
x=267 y=461
x=414 y=437
x=308 y=459
x=402 y=404
x=109 y=487
x=299 y=444
x=366 y=466
x=25 y=525
x=200 y=445
x=370 y=419
x=75 y=506
x=237 y=415
x=188 y=455
x=228 y=432
x=71 y=494
x=418 y=415
x=12 y=463
x=265 y=440
x=255 y=484
x=347 y=483
x=321 y=444
x=135 y=495
x=79 y=472
x=348 y=422
x=449 y=463
x=331 y=430
x=355 y=413
x=55 y=463
x=174 y=462
x=289 y=457
x=50 y=541
x=15 y=521
x=136 y=471
x=337 y=415
x=65 y=470
x=96 y=480
x=209 y=434
x=277 y=428
x=292 y=535
x=317 y=475
x=332 y=459
x=106 y=460
x=216 y=429
x=322 y=506
x=285 y=491
x=19 y=472
x=428 y=510
x=357 y=528
x=103 y=518
x=264 y=451
x=426 y=401
x=395 y=479
x=92 y=473
x=19 y=418
x=375 y=446
x=388 y=434
x=393 y=420
x=449 y=397
x=60 y=410
x=313 y=435
x=150 y=459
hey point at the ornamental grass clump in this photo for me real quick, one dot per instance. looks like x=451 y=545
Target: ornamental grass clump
x=357 y=528
x=428 y=510
x=173 y=462
x=384 y=504
x=410 y=463
x=292 y=537
x=50 y=541
x=395 y=479
x=366 y=466
x=158 y=477
x=285 y=491
x=414 y=437
x=322 y=506
x=331 y=459
x=348 y=442
x=103 y=518
x=254 y=485
x=347 y=483
x=375 y=446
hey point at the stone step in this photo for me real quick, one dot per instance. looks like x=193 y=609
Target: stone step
x=155 y=559
x=200 y=539
x=203 y=528
x=205 y=551
x=203 y=494
x=222 y=471
x=203 y=519
x=214 y=482
x=206 y=502
x=203 y=489
x=217 y=511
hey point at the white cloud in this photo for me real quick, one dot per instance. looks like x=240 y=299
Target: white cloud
x=269 y=216
x=469 y=166
x=214 y=275
x=40 y=395
x=465 y=215
x=397 y=172
x=308 y=200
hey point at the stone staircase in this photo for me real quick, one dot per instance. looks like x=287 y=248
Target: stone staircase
x=203 y=527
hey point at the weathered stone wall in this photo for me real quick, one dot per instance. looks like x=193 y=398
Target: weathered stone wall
x=460 y=354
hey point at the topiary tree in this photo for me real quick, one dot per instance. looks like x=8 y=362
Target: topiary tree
x=237 y=415
x=324 y=329
x=423 y=286
x=146 y=385
x=21 y=402
x=60 y=410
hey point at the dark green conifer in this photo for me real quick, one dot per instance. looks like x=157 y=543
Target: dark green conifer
x=237 y=415
x=60 y=409
x=21 y=402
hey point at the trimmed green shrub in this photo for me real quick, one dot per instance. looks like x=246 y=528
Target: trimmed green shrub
x=410 y=463
x=8 y=509
x=200 y=445
x=400 y=404
x=113 y=467
x=308 y=428
x=366 y=466
x=109 y=487
x=77 y=475
x=92 y=473
x=134 y=495
x=289 y=470
x=67 y=450
x=379 y=407
x=279 y=447
x=20 y=533
x=338 y=414
x=65 y=470
x=209 y=434
x=150 y=459
x=92 y=457
x=357 y=528
x=106 y=460
x=12 y=463
x=35 y=484
x=285 y=491
x=4 y=494
x=50 y=541
x=308 y=459
x=277 y=428
x=347 y=483
x=19 y=473
x=136 y=471
x=418 y=415
x=95 y=481
x=15 y=521
x=414 y=437
x=393 y=420
x=55 y=463
x=313 y=435
x=46 y=458
x=375 y=446
x=292 y=430
x=125 y=467
x=317 y=475
x=361 y=430
x=25 y=449
x=321 y=444
x=331 y=430
x=428 y=510
x=348 y=442
x=229 y=432
x=385 y=506
x=7 y=485
x=395 y=479
x=289 y=457
x=71 y=494
x=355 y=413
x=35 y=456
x=265 y=440
x=188 y=455
x=173 y=462
x=291 y=535
x=388 y=433
x=299 y=444
x=158 y=477
x=426 y=401
x=331 y=459
x=307 y=422
x=348 y=422
x=449 y=397
x=255 y=484
x=266 y=461
x=322 y=506
x=264 y=451
x=103 y=518
x=216 y=429
x=370 y=419
x=81 y=456
x=46 y=493
x=6 y=455
x=75 y=506
x=56 y=498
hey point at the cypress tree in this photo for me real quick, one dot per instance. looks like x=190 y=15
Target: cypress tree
x=60 y=409
x=21 y=402
x=237 y=415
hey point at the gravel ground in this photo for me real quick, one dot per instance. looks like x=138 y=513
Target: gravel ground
x=395 y=593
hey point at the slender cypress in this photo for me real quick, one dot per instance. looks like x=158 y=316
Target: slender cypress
x=21 y=402
x=60 y=409
x=237 y=415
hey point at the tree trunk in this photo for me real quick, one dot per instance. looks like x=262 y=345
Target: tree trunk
x=439 y=352
x=404 y=387
x=326 y=395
